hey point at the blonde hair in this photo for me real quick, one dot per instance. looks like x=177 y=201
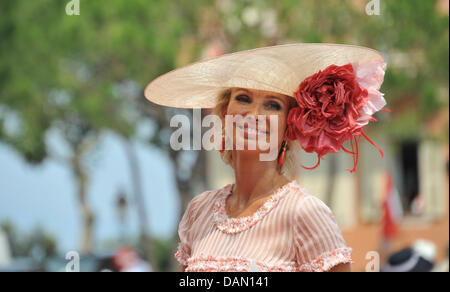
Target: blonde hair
x=289 y=168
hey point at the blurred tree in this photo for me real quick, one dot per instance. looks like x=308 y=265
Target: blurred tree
x=37 y=244
x=163 y=253
x=61 y=93
x=83 y=75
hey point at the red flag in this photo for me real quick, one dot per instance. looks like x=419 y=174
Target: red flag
x=392 y=209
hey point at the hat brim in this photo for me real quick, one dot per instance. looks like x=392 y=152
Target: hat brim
x=277 y=68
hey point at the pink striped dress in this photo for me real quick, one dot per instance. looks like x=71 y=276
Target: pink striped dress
x=291 y=231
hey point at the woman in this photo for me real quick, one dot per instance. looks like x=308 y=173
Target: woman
x=321 y=95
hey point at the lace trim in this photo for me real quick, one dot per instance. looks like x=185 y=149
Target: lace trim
x=235 y=225
x=233 y=264
x=328 y=260
x=182 y=254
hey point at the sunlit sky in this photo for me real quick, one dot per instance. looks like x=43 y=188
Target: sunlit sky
x=45 y=195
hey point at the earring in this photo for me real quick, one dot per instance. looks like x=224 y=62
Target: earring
x=283 y=153
x=223 y=143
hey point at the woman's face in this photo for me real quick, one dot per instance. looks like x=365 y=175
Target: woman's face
x=250 y=103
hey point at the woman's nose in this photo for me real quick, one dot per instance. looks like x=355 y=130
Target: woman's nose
x=256 y=114
x=254 y=111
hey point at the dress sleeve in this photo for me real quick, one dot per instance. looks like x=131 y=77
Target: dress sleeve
x=319 y=242
x=184 y=245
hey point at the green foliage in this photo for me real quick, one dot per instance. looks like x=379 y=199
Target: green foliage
x=429 y=102
x=164 y=250
x=47 y=54
x=36 y=243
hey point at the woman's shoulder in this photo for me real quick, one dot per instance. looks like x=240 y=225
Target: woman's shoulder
x=309 y=205
x=206 y=197
x=208 y=194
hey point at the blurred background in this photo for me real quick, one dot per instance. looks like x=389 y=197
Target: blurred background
x=85 y=162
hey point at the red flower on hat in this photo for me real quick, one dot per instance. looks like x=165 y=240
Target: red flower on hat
x=330 y=103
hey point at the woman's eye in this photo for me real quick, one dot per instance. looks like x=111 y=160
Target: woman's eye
x=243 y=98
x=274 y=106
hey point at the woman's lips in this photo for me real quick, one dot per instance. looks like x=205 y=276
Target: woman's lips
x=251 y=132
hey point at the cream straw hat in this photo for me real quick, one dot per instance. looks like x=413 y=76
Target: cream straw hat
x=277 y=69
x=283 y=69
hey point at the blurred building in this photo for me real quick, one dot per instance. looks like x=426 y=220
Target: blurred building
x=420 y=174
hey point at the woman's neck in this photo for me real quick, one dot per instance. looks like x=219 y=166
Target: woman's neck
x=254 y=178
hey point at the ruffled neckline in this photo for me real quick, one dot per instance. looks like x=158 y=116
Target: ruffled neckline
x=235 y=225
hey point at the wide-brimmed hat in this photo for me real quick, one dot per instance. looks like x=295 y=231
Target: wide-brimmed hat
x=336 y=88
x=277 y=68
x=408 y=260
